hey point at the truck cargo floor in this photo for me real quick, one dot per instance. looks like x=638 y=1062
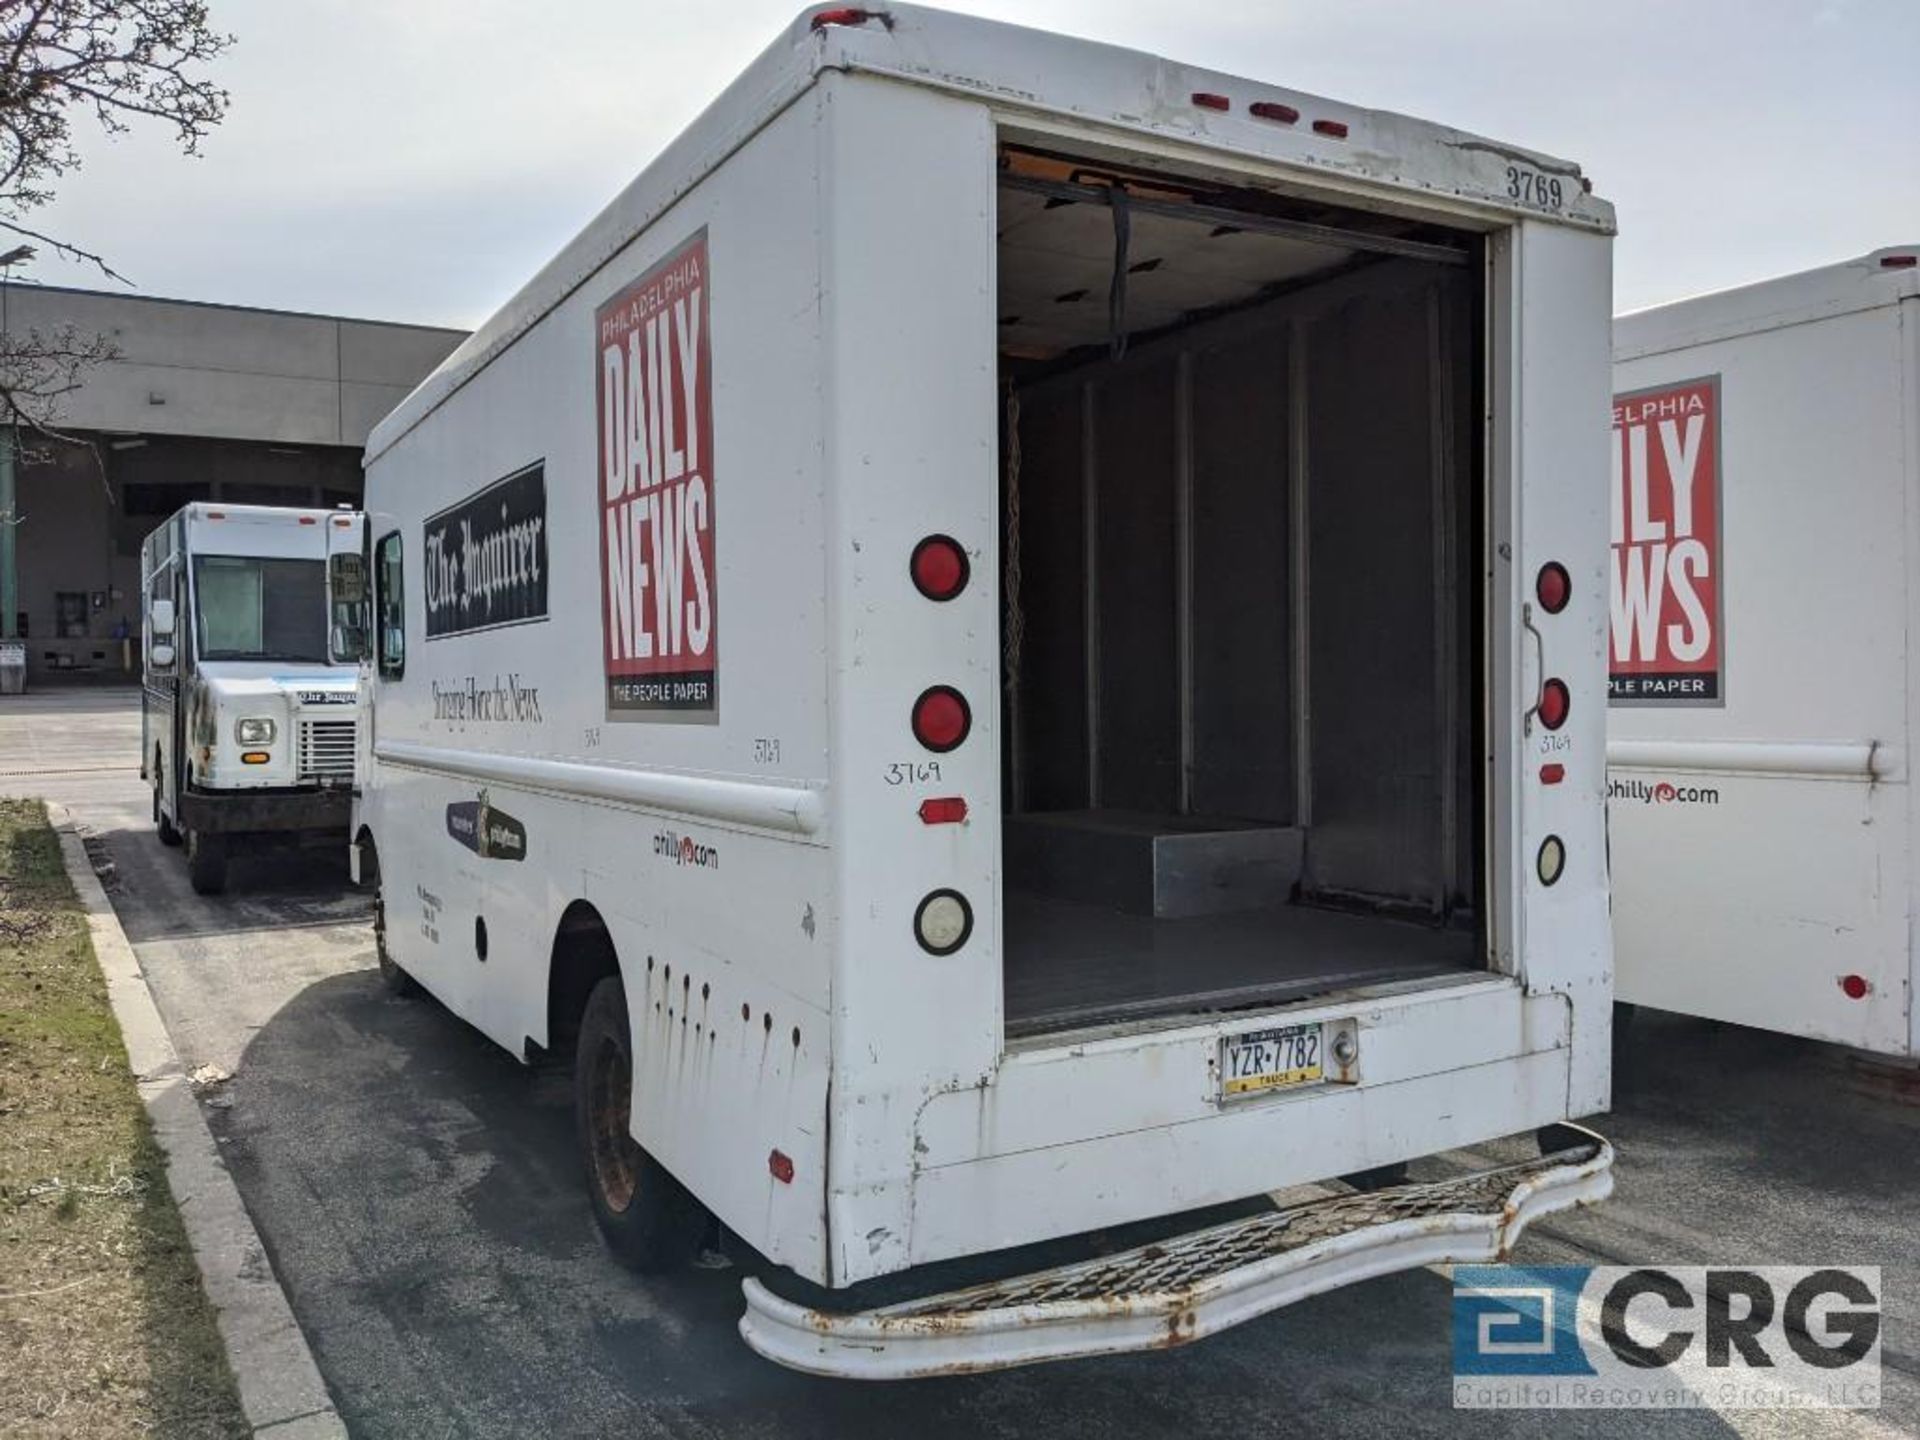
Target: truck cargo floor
x=1071 y=964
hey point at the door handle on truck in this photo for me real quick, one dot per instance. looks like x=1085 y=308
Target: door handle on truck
x=1539 y=667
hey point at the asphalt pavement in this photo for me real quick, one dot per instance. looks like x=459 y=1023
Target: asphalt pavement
x=417 y=1189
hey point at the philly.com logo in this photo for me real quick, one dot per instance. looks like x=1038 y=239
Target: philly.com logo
x=1662 y=792
x=1670 y=1337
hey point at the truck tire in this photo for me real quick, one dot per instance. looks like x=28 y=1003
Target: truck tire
x=398 y=982
x=651 y=1221
x=165 y=828
x=206 y=862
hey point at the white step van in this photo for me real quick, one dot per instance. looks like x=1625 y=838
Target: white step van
x=248 y=717
x=1766 y=494
x=1010 y=642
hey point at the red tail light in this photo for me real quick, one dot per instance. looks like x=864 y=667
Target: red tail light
x=1555 y=701
x=1854 y=987
x=939 y=567
x=941 y=718
x=1553 y=587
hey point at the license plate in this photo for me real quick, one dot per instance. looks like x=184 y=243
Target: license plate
x=1263 y=1060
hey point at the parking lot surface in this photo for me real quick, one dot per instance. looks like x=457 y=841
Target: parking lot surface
x=417 y=1189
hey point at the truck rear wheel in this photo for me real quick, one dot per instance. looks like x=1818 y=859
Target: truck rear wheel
x=206 y=862
x=651 y=1221
x=397 y=981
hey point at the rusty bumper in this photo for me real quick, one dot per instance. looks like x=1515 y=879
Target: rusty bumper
x=1180 y=1290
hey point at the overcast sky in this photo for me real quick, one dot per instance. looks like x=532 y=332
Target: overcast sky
x=419 y=159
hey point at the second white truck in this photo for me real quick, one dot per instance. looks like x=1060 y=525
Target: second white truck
x=1012 y=642
x=1766 y=545
x=248 y=721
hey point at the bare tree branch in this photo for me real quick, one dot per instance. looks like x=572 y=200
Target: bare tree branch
x=120 y=62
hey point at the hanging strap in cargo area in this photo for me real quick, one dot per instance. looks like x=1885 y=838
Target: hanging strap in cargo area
x=1118 y=201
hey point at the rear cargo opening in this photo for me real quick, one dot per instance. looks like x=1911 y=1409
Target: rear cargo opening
x=1241 y=556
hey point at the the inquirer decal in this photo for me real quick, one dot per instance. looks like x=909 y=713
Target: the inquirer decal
x=655 y=372
x=1667 y=643
x=486 y=558
x=490 y=833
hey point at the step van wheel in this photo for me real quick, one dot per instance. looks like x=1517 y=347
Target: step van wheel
x=651 y=1221
x=398 y=982
x=206 y=862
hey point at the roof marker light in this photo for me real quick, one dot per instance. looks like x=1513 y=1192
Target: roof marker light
x=1899 y=262
x=1335 y=128
x=848 y=15
x=1275 y=111
x=1207 y=100
x=308 y=520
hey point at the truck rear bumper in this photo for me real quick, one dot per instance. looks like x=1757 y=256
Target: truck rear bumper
x=1167 y=1294
x=234 y=811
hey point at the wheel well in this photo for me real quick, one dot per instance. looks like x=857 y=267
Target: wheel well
x=583 y=956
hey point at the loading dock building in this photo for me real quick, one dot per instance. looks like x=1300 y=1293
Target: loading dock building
x=201 y=402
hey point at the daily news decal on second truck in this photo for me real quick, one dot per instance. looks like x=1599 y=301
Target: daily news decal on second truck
x=1160 y=755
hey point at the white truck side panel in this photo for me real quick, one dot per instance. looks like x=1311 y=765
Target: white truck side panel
x=715 y=1092
x=1791 y=866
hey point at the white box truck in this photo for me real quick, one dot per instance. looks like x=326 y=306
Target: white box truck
x=1011 y=642
x=248 y=727
x=1766 y=537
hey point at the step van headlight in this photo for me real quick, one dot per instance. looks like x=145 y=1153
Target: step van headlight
x=254 y=730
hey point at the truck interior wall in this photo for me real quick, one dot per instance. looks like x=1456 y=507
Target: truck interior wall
x=1245 y=565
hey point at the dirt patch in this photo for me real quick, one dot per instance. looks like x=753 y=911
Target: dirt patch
x=104 y=1327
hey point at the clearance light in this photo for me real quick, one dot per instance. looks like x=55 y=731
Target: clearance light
x=255 y=757
x=941 y=718
x=939 y=567
x=341 y=522
x=1899 y=262
x=944 y=810
x=845 y=15
x=1854 y=987
x=1275 y=111
x=943 y=922
x=308 y=520
x=1207 y=100
x=1551 y=860
x=780 y=1166
x=1555 y=701
x=1552 y=774
x=1335 y=129
x=1553 y=587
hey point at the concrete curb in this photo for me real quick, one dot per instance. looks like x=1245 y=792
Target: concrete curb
x=280 y=1386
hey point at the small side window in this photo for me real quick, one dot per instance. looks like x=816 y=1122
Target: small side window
x=389 y=586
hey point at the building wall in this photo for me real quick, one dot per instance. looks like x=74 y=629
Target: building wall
x=203 y=402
